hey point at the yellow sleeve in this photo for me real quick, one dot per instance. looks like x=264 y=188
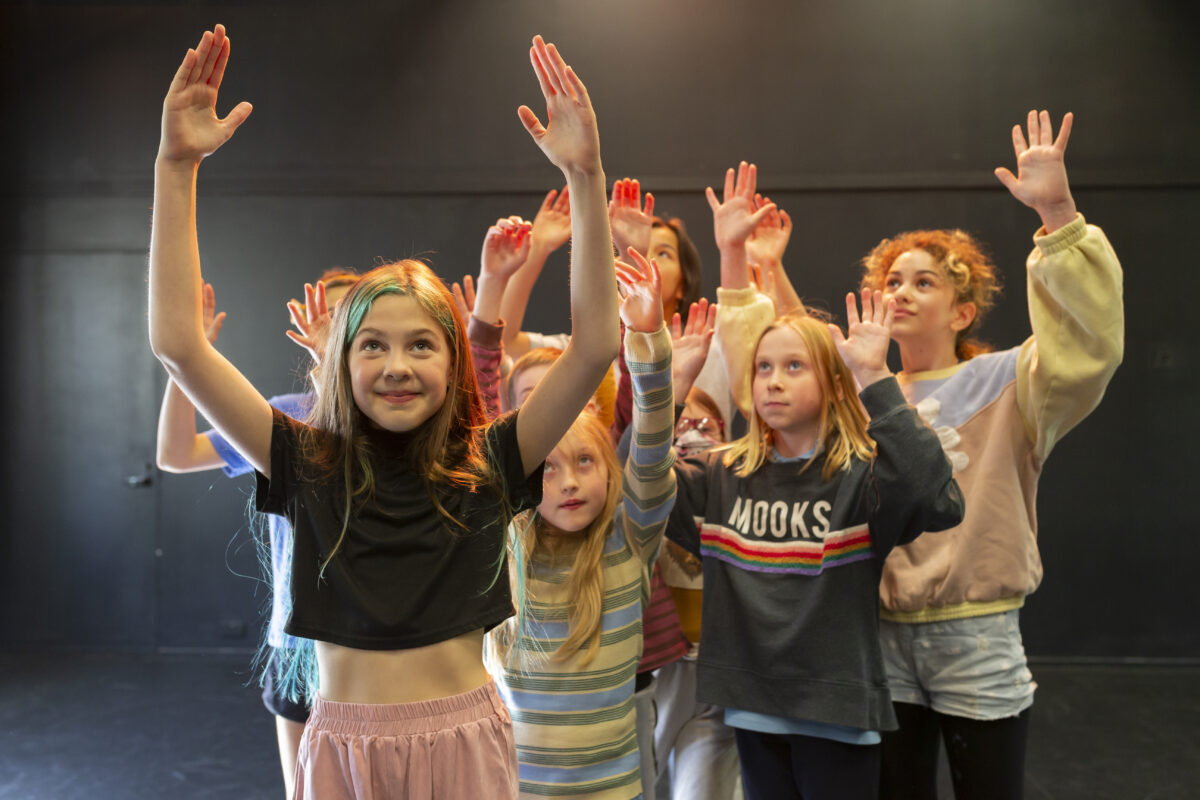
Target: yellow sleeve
x=742 y=316
x=1078 y=319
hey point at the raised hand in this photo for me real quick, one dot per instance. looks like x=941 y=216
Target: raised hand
x=212 y=321
x=641 y=293
x=769 y=239
x=1041 y=179
x=552 y=224
x=311 y=319
x=505 y=247
x=464 y=296
x=865 y=349
x=631 y=222
x=191 y=129
x=569 y=138
x=735 y=216
x=690 y=344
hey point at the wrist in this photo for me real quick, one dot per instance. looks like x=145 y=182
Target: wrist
x=1058 y=215
x=166 y=165
x=866 y=377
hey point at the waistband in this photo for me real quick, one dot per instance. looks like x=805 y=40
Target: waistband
x=957 y=611
x=402 y=719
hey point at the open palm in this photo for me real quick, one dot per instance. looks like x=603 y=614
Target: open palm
x=191 y=129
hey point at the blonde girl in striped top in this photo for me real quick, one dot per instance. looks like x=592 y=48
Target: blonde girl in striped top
x=565 y=665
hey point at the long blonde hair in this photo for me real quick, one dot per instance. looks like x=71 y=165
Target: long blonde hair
x=843 y=425
x=446 y=450
x=585 y=581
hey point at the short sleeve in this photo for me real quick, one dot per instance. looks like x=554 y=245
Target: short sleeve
x=272 y=495
x=294 y=405
x=504 y=453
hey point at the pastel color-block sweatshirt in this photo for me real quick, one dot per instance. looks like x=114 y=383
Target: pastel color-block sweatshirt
x=998 y=416
x=575 y=723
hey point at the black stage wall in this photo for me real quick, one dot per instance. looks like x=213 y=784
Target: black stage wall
x=383 y=134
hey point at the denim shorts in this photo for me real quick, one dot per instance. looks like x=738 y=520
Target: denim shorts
x=973 y=667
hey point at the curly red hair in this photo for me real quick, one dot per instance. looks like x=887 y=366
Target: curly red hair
x=961 y=259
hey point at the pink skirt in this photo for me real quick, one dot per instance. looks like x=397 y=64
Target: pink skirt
x=454 y=747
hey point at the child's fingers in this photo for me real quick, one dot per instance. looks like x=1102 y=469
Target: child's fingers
x=635 y=193
x=1064 y=133
x=655 y=278
x=297 y=315
x=548 y=201
x=836 y=333
x=638 y=259
x=469 y=289
x=877 y=307
x=185 y=69
x=577 y=86
x=712 y=198
x=214 y=54
x=1018 y=138
x=1007 y=178
x=1035 y=133
x=785 y=221
x=539 y=60
x=868 y=309
x=322 y=300
x=751 y=180
x=627 y=272
x=676 y=324
x=739 y=187
x=649 y=209
x=202 y=50
x=758 y=216
x=531 y=122
x=616 y=193
x=218 y=72
x=563 y=203
x=557 y=70
x=730 y=184
x=1045 y=128
x=851 y=310
x=889 y=316
x=710 y=320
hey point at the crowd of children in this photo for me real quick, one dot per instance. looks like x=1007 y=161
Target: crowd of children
x=566 y=575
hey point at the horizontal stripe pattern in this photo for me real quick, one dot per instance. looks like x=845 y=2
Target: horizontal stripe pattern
x=574 y=723
x=798 y=557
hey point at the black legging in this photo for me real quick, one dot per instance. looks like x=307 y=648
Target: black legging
x=987 y=757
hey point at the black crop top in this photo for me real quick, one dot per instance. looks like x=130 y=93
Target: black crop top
x=402 y=577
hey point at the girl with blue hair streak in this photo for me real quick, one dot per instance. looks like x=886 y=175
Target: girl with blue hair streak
x=397 y=490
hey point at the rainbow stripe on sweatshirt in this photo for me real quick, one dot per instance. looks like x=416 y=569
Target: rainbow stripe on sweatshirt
x=787 y=555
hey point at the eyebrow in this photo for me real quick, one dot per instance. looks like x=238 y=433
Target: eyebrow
x=410 y=334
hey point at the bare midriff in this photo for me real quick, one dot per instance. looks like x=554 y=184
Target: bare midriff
x=350 y=675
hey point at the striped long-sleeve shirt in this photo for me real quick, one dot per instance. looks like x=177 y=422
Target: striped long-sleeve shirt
x=575 y=723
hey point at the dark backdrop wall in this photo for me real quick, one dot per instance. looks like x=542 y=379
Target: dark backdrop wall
x=383 y=134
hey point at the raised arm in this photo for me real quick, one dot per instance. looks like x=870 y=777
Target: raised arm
x=191 y=130
x=505 y=248
x=649 y=485
x=734 y=219
x=572 y=143
x=180 y=448
x=631 y=221
x=764 y=251
x=1075 y=293
x=865 y=347
x=551 y=230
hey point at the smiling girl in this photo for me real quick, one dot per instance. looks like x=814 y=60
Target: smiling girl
x=397 y=491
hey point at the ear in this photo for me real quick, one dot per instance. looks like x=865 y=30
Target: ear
x=964 y=315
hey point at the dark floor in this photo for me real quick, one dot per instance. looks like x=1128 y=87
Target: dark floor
x=182 y=727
